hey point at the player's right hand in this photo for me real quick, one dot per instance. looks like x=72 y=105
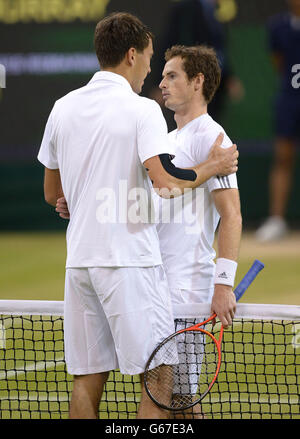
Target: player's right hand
x=62 y=208
x=226 y=159
x=223 y=304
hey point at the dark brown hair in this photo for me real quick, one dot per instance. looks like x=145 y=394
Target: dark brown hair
x=199 y=59
x=116 y=34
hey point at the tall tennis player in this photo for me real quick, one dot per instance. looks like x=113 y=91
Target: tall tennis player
x=190 y=79
x=99 y=143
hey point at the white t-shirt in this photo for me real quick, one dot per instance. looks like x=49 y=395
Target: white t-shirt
x=98 y=137
x=186 y=241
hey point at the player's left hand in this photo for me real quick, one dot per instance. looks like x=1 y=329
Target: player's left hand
x=62 y=208
x=223 y=304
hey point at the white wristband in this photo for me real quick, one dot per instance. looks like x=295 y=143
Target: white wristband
x=225 y=272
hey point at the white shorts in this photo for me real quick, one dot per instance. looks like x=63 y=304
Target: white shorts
x=180 y=296
x=114 y=318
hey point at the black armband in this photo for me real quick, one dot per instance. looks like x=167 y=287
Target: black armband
x=170 y=168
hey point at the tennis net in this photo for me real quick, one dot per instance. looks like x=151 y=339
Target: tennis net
x=259 y=377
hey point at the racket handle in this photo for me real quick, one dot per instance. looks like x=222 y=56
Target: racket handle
x=257 y=266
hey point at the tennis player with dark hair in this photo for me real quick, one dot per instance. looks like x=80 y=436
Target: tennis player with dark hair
x=190 y=79
x=99 y=143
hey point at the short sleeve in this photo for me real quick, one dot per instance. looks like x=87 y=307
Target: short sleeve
x=48 y=154
x=201 y=148
x=152 y=135
x=227 y=182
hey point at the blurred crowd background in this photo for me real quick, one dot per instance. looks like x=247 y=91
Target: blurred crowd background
x=47 y=49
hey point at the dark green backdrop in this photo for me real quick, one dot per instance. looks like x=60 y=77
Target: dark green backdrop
x=28 y=99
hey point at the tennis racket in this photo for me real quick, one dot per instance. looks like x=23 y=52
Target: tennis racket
x=184 y=367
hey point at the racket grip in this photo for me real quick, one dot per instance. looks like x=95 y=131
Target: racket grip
x=257 y=266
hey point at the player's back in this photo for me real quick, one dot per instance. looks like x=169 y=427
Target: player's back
x=95 y=130
x=96 y=135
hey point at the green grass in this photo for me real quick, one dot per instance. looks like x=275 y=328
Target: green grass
x=32 y=268
x=259 y=377
x=277 y=283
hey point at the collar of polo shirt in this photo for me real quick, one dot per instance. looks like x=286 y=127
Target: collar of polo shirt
x=112 y=77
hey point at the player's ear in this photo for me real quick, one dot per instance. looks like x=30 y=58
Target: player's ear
x=199 y=81
x=131 y=56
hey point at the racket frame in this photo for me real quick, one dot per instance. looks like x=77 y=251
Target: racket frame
x=217 y=342
x=256 y=267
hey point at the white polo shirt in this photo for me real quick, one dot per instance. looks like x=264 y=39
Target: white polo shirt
x=98 y=137
x=186 y=240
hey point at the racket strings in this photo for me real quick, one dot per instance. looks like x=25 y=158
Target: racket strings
x=182 y=369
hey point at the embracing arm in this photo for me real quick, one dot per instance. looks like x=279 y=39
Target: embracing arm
x=165 y=176
x=227 y=202
x=52 y=186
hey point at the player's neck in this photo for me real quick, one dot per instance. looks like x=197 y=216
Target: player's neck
x=184 y=116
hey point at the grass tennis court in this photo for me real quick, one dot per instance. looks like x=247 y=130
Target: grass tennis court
x=32 y=268
x=259 y=377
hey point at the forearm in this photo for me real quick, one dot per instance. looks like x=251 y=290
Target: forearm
x=52 y=200
x=223 y=302
x=227 y=202
x=203 y=172
x=165 y=175
x=52 y=186
x=216 y=164
x=52 y=193
x=229 y=236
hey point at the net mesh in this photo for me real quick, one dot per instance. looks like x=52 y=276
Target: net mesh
x=259 y=376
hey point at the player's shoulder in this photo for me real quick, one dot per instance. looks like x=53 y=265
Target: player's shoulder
x=146 y=103
x=211 y=125
x=206 y=134
x=68 y=99
x=208 y=129
x=146 y=108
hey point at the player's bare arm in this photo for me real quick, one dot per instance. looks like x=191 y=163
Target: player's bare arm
x=227 y=202
x=52 y=186
x=220 y=162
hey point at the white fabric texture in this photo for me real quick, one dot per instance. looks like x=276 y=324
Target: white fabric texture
x=98 y=137
x=186 y=240
x=114 y=318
